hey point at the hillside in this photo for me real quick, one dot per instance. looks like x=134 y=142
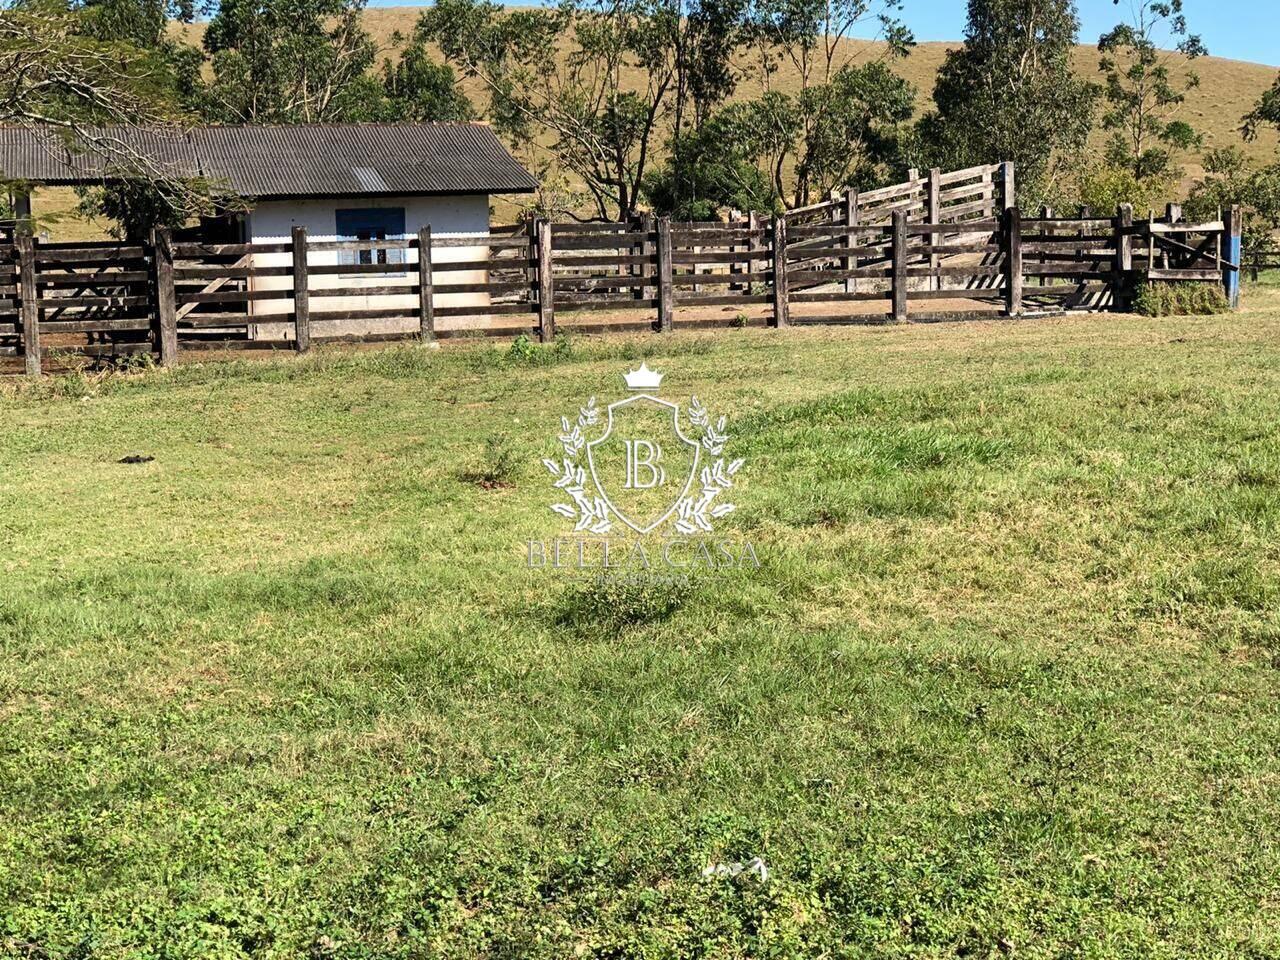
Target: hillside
x=1228 y=89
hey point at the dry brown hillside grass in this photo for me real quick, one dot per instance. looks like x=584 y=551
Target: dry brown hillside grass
x=1228 y=89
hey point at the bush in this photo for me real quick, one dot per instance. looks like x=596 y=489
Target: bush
x=1180 y=299
x=496 y=467
x=526 y=353
x=615 y=601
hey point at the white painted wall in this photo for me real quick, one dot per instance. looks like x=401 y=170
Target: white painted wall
x=272 y=221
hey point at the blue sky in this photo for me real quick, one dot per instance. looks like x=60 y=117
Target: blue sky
x=1239 y=29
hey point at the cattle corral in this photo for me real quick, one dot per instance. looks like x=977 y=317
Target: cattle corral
x=937 y=246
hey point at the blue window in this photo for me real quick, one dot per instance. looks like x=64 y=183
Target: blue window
x=377 y=223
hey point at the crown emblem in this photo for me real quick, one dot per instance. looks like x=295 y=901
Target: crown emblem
x=643 y=379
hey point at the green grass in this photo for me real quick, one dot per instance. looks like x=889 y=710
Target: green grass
x=1005 y=683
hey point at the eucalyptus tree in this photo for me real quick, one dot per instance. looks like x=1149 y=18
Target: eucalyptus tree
x=1145 y=86
x=598 y=83
x=1010 y=93
x=829 y=111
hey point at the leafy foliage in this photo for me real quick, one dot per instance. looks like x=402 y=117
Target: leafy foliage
x=1163 y=299
x=1265 y=113
x=1230 y=180
x=1142 y=92
x=288 y=61
x=562 y=75
x=844 y=132
x=843 y=125
x=419 y=89
x=709 y=170
x=1009 y=94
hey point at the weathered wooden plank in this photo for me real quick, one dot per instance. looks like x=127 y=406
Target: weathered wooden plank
x=183 y=250
x=166 y=305
x=113 y=253
x=546 y=284
x=426 y=295
x=722 y=300
x=781 y=304
x=301 y=292
x=360 y=246
x=900 y=265
x=716 y=279
x=1013 y=254
x=233 y=296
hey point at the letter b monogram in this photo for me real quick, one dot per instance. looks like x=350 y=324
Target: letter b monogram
x=644 y=471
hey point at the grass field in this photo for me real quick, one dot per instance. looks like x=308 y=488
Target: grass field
x=1005 y=683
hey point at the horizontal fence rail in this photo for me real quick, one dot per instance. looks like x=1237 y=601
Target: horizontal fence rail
x=170 y=296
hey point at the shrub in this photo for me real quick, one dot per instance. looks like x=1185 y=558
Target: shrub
x=614 y=601
x=496 y=466
x=526 y=353
x=1180 y=299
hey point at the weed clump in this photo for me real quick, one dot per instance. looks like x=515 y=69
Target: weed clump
x=496 y=467
x=1180 y=299
x=619 y=601
x=525 y=353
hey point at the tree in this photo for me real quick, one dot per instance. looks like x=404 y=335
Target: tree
x=57 y=72
x=289 y=61
x=1266 y=112
x=1010 y=94
x=840 y=124
x=71 y=71
x=419 y=89
x=844 y=132
x=597 y=81
x=1143 y=94
x=557 y=75
x=1230 y=179
x=709 y=169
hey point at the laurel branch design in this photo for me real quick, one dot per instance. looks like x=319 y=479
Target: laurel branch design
x=696 y=513
x=693 y=513
x=588 y=513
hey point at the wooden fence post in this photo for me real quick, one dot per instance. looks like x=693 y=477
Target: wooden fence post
x=648 y=249
x=426 y=293
x=546 y=287
x=933 y=214
x=1233 y=227
x=899 y=265
x=781 y=298
x=1013 y=262
x=753 y=246
x=1123 y=286
x=666 y=291
x=301 y=292
x=30 y=311
x=851 y=241
x=1008 y=187
x=166 y=297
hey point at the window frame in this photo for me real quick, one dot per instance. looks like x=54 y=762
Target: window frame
x=371 y=223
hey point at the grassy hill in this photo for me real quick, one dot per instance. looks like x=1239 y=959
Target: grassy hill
x=1228 y=89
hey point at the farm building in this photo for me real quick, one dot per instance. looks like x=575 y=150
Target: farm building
x=341 y=182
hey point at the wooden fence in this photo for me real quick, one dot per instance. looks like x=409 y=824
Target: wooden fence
x=1259 y=260
x=172 y=296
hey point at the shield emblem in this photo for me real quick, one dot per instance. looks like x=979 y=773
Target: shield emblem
x=643 y=463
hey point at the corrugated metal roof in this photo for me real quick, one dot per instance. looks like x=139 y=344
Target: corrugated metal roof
x=60 y=158
x=319 y=160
